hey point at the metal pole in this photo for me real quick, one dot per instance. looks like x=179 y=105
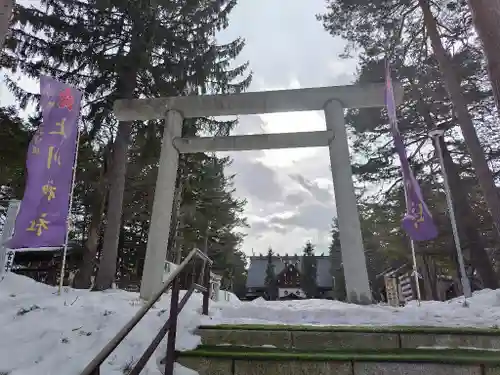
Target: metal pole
x=176 y=286
x=435 y=134
x=207 y=233
x=205 y=251
x=415 y=271
x=206 y=284
x=68 y=219
x=414 y=258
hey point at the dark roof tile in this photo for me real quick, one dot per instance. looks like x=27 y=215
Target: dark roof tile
x=257 y=270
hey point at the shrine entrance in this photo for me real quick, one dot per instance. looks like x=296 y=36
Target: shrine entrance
x=332 y=100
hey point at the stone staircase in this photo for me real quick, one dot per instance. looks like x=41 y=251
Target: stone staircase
x=344 y=350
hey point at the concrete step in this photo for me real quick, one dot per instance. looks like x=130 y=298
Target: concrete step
x=240 y=360
x=349 y=337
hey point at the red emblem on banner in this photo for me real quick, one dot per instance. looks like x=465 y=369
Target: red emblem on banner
x=66 y=99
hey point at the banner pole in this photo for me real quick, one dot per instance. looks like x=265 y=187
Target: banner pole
x=436 y=134
x=415 y=271
x=68 y=219
x=414 y=257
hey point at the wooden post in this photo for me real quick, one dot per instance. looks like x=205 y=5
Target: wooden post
x=206 y=293
x=172 y=331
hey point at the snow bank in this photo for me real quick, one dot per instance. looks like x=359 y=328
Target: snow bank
x=484 y=311
x=46 y=334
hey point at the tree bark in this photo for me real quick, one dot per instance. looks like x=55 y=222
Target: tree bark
x=452 y=85
x=466 y=222
x=83 y=278
x=6 y=7
x=107 y=265
x=486 y=18
x=177 y=208
x=429 y=276
x=126 y=89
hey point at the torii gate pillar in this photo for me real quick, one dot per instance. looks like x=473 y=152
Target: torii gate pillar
x=353 y=255
x=333 y=100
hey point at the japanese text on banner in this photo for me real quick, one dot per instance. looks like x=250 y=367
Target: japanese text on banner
x=43 y=216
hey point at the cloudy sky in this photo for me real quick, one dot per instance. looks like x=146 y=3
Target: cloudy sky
x=289 y=192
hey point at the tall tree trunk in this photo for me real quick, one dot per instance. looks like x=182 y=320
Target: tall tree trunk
x=107 y=266
x=176 y=211
x=466 y=222
x=454 y=90
x=429 y=276
x=465 y=217
x=83 y=278
x=6 y=7
x=119 y=281
x=486 y=17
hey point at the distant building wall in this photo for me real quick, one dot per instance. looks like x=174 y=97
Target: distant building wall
x=257 y=273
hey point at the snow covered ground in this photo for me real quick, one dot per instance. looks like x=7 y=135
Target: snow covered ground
x=45 y=334
x=483 y=311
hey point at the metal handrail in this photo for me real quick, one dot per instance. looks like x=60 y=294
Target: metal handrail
x=139 y=365
x=90 y=369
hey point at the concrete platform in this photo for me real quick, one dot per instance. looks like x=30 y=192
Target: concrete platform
x=319 y=338
x=263 y=361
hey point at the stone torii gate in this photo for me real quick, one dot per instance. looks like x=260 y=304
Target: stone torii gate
x=332 y=100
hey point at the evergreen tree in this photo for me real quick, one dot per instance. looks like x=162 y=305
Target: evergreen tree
x=453 y=87
x=426 y=106
x=15 y=136
x=337 y=269
x=486 y=17
x=115 y=50
x=270 y=281
x=308 y=280
x=213 y=214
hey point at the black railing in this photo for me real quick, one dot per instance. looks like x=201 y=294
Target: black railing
x=93 y=368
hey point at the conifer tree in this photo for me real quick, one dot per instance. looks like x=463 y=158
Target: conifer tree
x=113 y=49
x=270 y=281
x=427 y=104
x=486 y=17
x=337 y=270
x=309 y=271
x=15 y=136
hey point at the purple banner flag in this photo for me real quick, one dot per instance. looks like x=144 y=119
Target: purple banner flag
x=417 y=223
x=43 y=216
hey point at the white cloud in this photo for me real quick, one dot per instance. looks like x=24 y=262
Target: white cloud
x=286 y=49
